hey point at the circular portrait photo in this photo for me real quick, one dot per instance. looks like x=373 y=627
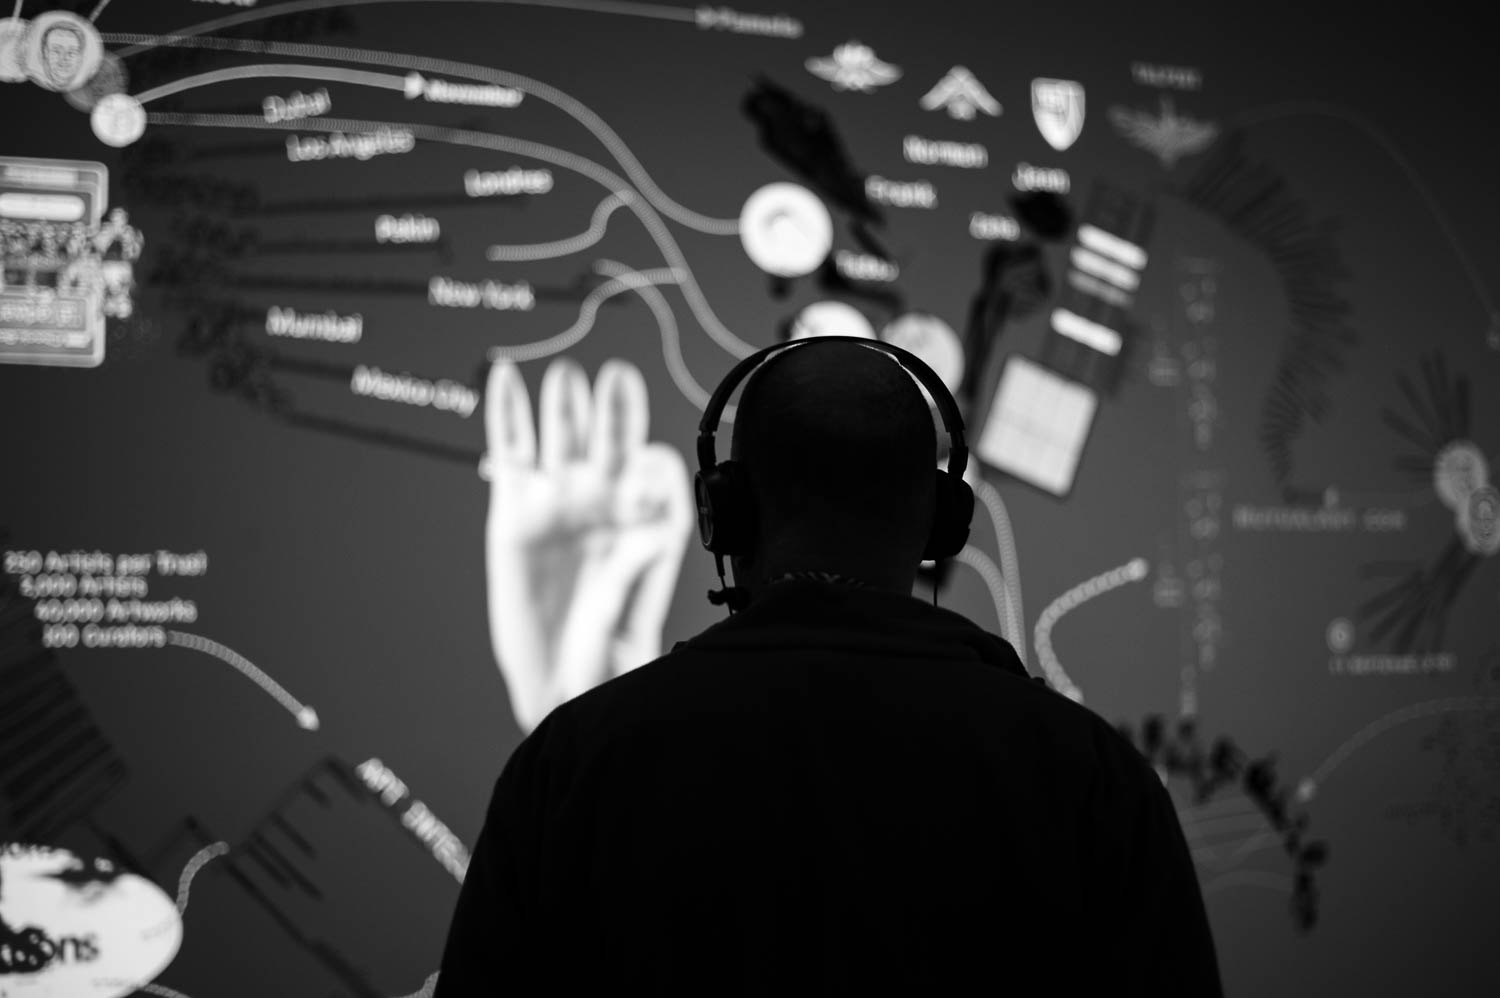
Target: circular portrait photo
x=62 y=50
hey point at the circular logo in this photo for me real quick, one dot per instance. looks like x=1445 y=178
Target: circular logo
x=831 y=318
x=12 y=31
x=785 y=230
x=933 y=341
x=1477 y=521
x=61 y=50
x=1340 y=635
x=118 y=119
x=80 y=928
x=110 y=78
x=1458 y=470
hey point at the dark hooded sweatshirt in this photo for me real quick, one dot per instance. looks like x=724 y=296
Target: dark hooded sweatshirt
x=834 y=791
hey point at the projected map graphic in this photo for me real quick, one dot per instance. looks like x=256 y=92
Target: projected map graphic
x=351 y=358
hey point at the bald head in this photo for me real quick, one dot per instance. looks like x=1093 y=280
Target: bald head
x=840 y=447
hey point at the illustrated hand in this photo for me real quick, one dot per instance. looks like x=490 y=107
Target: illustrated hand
x=585 y=533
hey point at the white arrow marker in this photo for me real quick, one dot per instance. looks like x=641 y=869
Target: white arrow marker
x=306 y=717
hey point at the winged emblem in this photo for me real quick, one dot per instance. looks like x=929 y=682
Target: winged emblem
x=854 y=67
x=1167 y=136
x=960 y=94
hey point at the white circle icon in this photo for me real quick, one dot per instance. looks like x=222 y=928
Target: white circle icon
x=61 y=50
x=831 y=318
x=109 y=78
x=786 y=230
x=1459 y=469
x=118 y=119
x=1340 y=635
x=933 y=341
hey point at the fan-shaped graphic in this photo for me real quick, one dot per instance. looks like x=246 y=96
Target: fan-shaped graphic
x=1413 y=610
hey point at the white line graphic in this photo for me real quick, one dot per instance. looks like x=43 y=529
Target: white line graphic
x=1214 y=809
x=534 y=88
x=1089 y=333
x=277 y=70
x=671 y=344
x=1132 y=571
x=1427 y=708
x=1249 y=878
x=1318 y=109
x=425 y=991
x=1010 y=564
x=995 y=583
x=1109 y=244
x=586 y=312
x=200 y=859
x=307 y=718
x=162 y=991
x=1264 y=839
x=150 y=988
x=484 y=140
x=562 y=247
x=590 y=6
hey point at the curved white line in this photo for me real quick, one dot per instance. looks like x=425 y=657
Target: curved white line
x=596 y=7
x=306 y=717
x=1132 y=571
x=425 y=991
x=561 y=247
x=1227 y=823
x=161 y=990
x=274 y=70
x=562 y=101
x=1215 y=809
x=1413 y=712
x=699 y=396
x=1318 y=108
x=548 y=154
x=150 y=987
x=190 y=870
x=671 y=345
x=559 y=342
x=1010 y=564
x=995 y=583
x=1249 y=878
x=1260 y=840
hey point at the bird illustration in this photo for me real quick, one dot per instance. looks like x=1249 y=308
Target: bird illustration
x=1168 y=136
x=854 y=67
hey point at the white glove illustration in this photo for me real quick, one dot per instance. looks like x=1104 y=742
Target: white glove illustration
x=585 y=534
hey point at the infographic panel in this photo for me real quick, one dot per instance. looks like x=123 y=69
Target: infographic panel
x=352 y=354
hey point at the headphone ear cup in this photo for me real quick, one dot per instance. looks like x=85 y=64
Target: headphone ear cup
x=725 y=517
x=952 y=513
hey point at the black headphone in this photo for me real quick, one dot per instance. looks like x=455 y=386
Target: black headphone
x=725 y=516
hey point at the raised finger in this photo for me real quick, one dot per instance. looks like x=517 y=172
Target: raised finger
x=621 y=415
x=509 y=436
x=564 y=413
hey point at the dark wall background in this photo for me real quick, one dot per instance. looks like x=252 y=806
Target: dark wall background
x=352 y=570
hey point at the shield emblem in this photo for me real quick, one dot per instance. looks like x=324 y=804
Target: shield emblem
x=1057 y=106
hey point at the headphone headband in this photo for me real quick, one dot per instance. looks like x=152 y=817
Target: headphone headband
x=953 y=422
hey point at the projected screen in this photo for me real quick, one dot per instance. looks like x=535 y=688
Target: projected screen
x=351 y=359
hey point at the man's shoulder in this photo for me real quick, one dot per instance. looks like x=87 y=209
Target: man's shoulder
x=690 y=682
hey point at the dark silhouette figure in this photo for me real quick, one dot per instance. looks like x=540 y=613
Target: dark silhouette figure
x=840 y=789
